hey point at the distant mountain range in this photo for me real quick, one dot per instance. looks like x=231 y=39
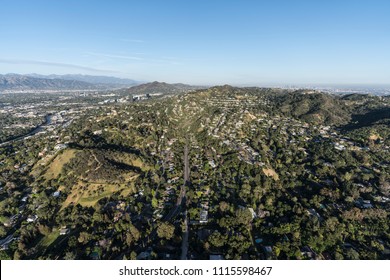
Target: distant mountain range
x=96 y=80
x=35 y=82
x=16 y=82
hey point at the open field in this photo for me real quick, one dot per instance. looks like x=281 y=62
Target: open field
x=58 y=162
x=88 y=194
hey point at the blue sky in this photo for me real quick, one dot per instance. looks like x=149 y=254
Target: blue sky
x=243 y=42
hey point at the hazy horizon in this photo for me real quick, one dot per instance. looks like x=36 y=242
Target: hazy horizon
x=275 y=84
x=202 y=42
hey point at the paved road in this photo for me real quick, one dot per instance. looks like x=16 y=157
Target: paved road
x=184 y=244
x=48 y=121
x=180 y=205
x=7 y=240
x=186 y=165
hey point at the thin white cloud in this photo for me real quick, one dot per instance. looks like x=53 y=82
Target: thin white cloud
x=114 y=56
x=132 y=40
x=169 y=57
x=166 y=61
x=50 y=63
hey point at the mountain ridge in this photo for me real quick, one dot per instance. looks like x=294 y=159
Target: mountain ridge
x=15 y=82
x=89 y=79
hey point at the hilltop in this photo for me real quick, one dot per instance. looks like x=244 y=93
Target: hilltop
x=159 y=87
x=314 y=107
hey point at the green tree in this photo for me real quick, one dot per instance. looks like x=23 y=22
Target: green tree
x=352 y=254
x=4 y=255
x=243 y=216
x=165 y=230
x=154 y=202
x=224 y=206
x=217 y=239
x=70 y=256
x=3 y=231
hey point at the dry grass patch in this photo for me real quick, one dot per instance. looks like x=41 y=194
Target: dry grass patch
x=58 y=162
x=374 y=137
x=249 y=117
x=88 y=194
x=271 y=173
